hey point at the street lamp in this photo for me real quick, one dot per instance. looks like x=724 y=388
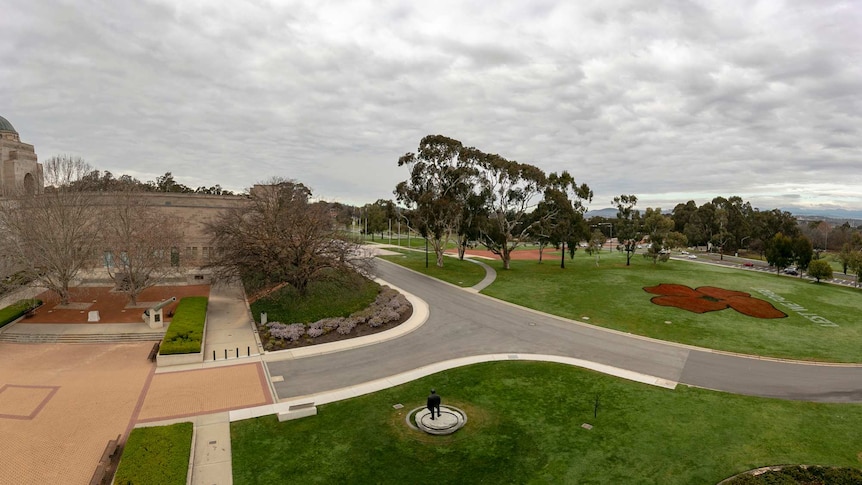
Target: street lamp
x=611 y=225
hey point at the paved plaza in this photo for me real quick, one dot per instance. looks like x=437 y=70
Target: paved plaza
x=60 y=404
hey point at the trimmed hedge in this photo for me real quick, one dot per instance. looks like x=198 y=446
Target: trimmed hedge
x=186 y=331
x=158 y=455
x=15 y=310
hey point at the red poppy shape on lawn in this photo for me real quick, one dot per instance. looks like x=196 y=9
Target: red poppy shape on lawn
x=709 y=299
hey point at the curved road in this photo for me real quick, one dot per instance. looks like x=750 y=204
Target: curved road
x=463 y=324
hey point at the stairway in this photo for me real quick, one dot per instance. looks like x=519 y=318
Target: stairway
x=115 y=338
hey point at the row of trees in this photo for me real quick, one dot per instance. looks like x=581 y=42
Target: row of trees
x=463 y=194
x=98 y=181
x=460 y=193
x=52 y=237
x=730 y=224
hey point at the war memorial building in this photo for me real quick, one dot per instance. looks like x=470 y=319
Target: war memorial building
x=19 y=168
x=20 y=172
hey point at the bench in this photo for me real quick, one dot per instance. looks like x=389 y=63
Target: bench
x=110 y=449
x=154 y=352
x=101 y=474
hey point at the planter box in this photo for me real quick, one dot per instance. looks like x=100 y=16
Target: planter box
x=180 y=359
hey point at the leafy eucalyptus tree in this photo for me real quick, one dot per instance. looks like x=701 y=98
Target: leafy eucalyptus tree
x=657 y=227
x=508 y=189
x=437 y=189
x=628 y=224
x=566 y=201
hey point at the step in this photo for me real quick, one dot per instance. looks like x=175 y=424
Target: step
x=80 y=338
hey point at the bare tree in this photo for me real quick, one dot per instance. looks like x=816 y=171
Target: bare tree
x=282 y=238
x=137 y=243
x=51 y=237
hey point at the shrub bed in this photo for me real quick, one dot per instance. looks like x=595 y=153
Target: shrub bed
x=802 y=475
x=158 y=455
x=186 y=331
x=389 y=306
x=17 y=309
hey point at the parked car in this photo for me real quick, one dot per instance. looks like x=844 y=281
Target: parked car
x=791 y=271
x=748 y=264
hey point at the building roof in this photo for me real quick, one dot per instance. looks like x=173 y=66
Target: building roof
x=6 y=126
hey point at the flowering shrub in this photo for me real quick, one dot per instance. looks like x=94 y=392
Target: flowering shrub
x=346 y=326
x=290 y=332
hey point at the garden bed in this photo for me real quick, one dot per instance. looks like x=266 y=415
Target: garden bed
x=183 y=342
x=388 y=310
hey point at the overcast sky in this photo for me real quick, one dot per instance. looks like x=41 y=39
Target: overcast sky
x=667 y=100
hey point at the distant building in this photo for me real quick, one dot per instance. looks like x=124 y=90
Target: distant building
x=19 y=169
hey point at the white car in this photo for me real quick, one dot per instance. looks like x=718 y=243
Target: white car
x=692 y=256
x=683 y=252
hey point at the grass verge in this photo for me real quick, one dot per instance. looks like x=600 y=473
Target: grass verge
x=524 y=426
x=186 y=331
x=454 y=271
x=17 y=309
x=156 y=455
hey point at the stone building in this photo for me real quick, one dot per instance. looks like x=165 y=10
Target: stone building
x=19 y=168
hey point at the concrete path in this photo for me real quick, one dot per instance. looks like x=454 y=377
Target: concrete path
x=212 y=453
x=230 y=327
x=490 y=276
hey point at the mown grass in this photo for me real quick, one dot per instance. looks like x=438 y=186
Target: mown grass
x=186 y=331
x=156 y=456
x=455 y=271
x=524 y=426
x=611 y=294
x=324 y=299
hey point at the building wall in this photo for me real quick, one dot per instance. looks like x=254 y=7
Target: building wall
x=193 y=212
x=17 y=161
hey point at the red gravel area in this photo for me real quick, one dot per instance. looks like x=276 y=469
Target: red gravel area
x=518 y=254
x=112 y=305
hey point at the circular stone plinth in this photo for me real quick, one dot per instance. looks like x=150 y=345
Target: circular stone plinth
x=451 y=419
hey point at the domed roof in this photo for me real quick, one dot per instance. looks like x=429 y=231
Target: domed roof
x=6 y=126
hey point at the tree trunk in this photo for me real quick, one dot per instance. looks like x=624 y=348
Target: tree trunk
x=563 y=256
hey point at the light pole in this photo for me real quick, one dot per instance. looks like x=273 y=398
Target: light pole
x=611 y=225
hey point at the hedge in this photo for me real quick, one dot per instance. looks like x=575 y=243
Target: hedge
x=186 y=331
x=17 y=309
x=158 y=455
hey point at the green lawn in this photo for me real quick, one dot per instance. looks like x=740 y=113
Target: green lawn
x=611 y=295
x=156 y=456
x=524 y=426
x=324 y=299
x=455 y=271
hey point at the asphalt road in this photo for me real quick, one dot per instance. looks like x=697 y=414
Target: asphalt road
x=462 y=324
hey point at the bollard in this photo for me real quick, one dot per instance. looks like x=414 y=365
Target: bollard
x=214 y=355
x=225 y=354
x=237 y=352
x=248 y=351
